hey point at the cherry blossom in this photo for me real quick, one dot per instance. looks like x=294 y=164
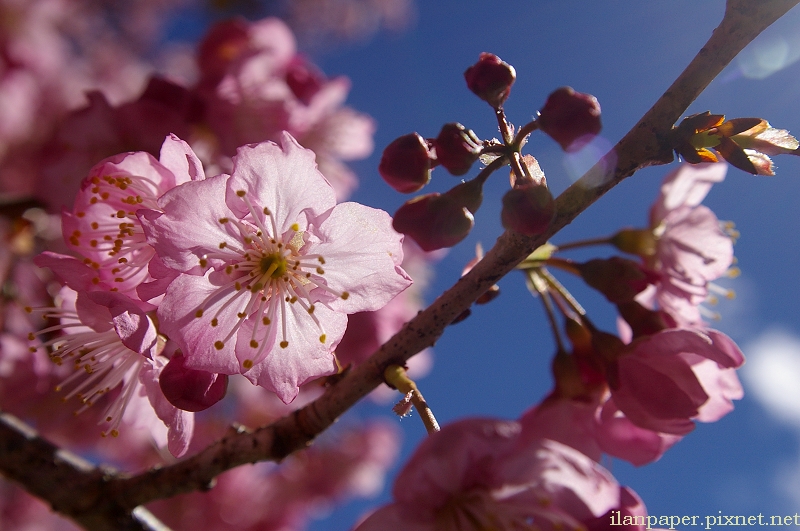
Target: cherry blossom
x=654 y=382
x=476 y=474
x=103 y=227
x=691 y=248
x=271 y=267
x=254 y=86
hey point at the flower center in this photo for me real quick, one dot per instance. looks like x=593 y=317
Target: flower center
x=273 y=265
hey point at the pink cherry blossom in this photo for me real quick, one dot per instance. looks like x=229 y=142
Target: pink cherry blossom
x=271 y=267
x=477 y=474
x=255 y=86
x=103 y=227
x=691 y=247
x=654 y=382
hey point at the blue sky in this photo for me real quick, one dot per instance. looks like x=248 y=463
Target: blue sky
x=625 y=53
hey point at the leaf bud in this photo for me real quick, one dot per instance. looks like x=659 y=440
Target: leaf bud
x=570 y=118
x=406 y=163
x=491 y=79
x=191 y=389
x=457 y=148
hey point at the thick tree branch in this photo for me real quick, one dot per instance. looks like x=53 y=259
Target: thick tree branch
x=644 y=145
x=72 y=485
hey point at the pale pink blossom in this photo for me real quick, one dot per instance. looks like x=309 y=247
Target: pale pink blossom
x=691 y=247
x=477 y=474
x=111 y=343
x=271 y=267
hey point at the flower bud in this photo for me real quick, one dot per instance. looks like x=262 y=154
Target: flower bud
x=570 y=118
x=457 y=148
x=491 y=79
x=434 y=221
x=406 y=163
x=191 y=389
x=619 y=279
x=528 y=208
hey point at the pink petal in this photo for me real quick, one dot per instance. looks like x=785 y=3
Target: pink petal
x=687 y=185
x=283 y=179
x=188 y=226
x=284 y=370
x=362 y=255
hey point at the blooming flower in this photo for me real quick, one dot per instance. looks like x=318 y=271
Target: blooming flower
x=103 y=226
x=475 y=475
x=111 y=343
x=685 y=246
x=270 y=267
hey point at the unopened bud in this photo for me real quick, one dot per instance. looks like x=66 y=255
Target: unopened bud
x=528 y=208
x=491 y=79
x=406 y=163
x=191 y=389
x=434 y=221
x=457 y=148
x=570 y=118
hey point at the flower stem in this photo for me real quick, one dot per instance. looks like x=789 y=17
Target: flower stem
x=565 y=294
x=585 y=243
x=396 y=376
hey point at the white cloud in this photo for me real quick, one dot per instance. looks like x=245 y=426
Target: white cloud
x=772 y=374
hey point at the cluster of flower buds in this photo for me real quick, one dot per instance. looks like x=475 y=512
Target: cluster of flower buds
x=746 y=143
x=437 y=220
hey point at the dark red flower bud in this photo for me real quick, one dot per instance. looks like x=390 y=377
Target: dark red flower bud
x=619 y=279
x=191 y=389
x=528 y=208
x=434 y=221
x=406 y=163
x=570 y=118
x=457 y=148
x=491 y=79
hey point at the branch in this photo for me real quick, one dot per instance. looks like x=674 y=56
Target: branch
x=72 y=485
x=642 y=146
